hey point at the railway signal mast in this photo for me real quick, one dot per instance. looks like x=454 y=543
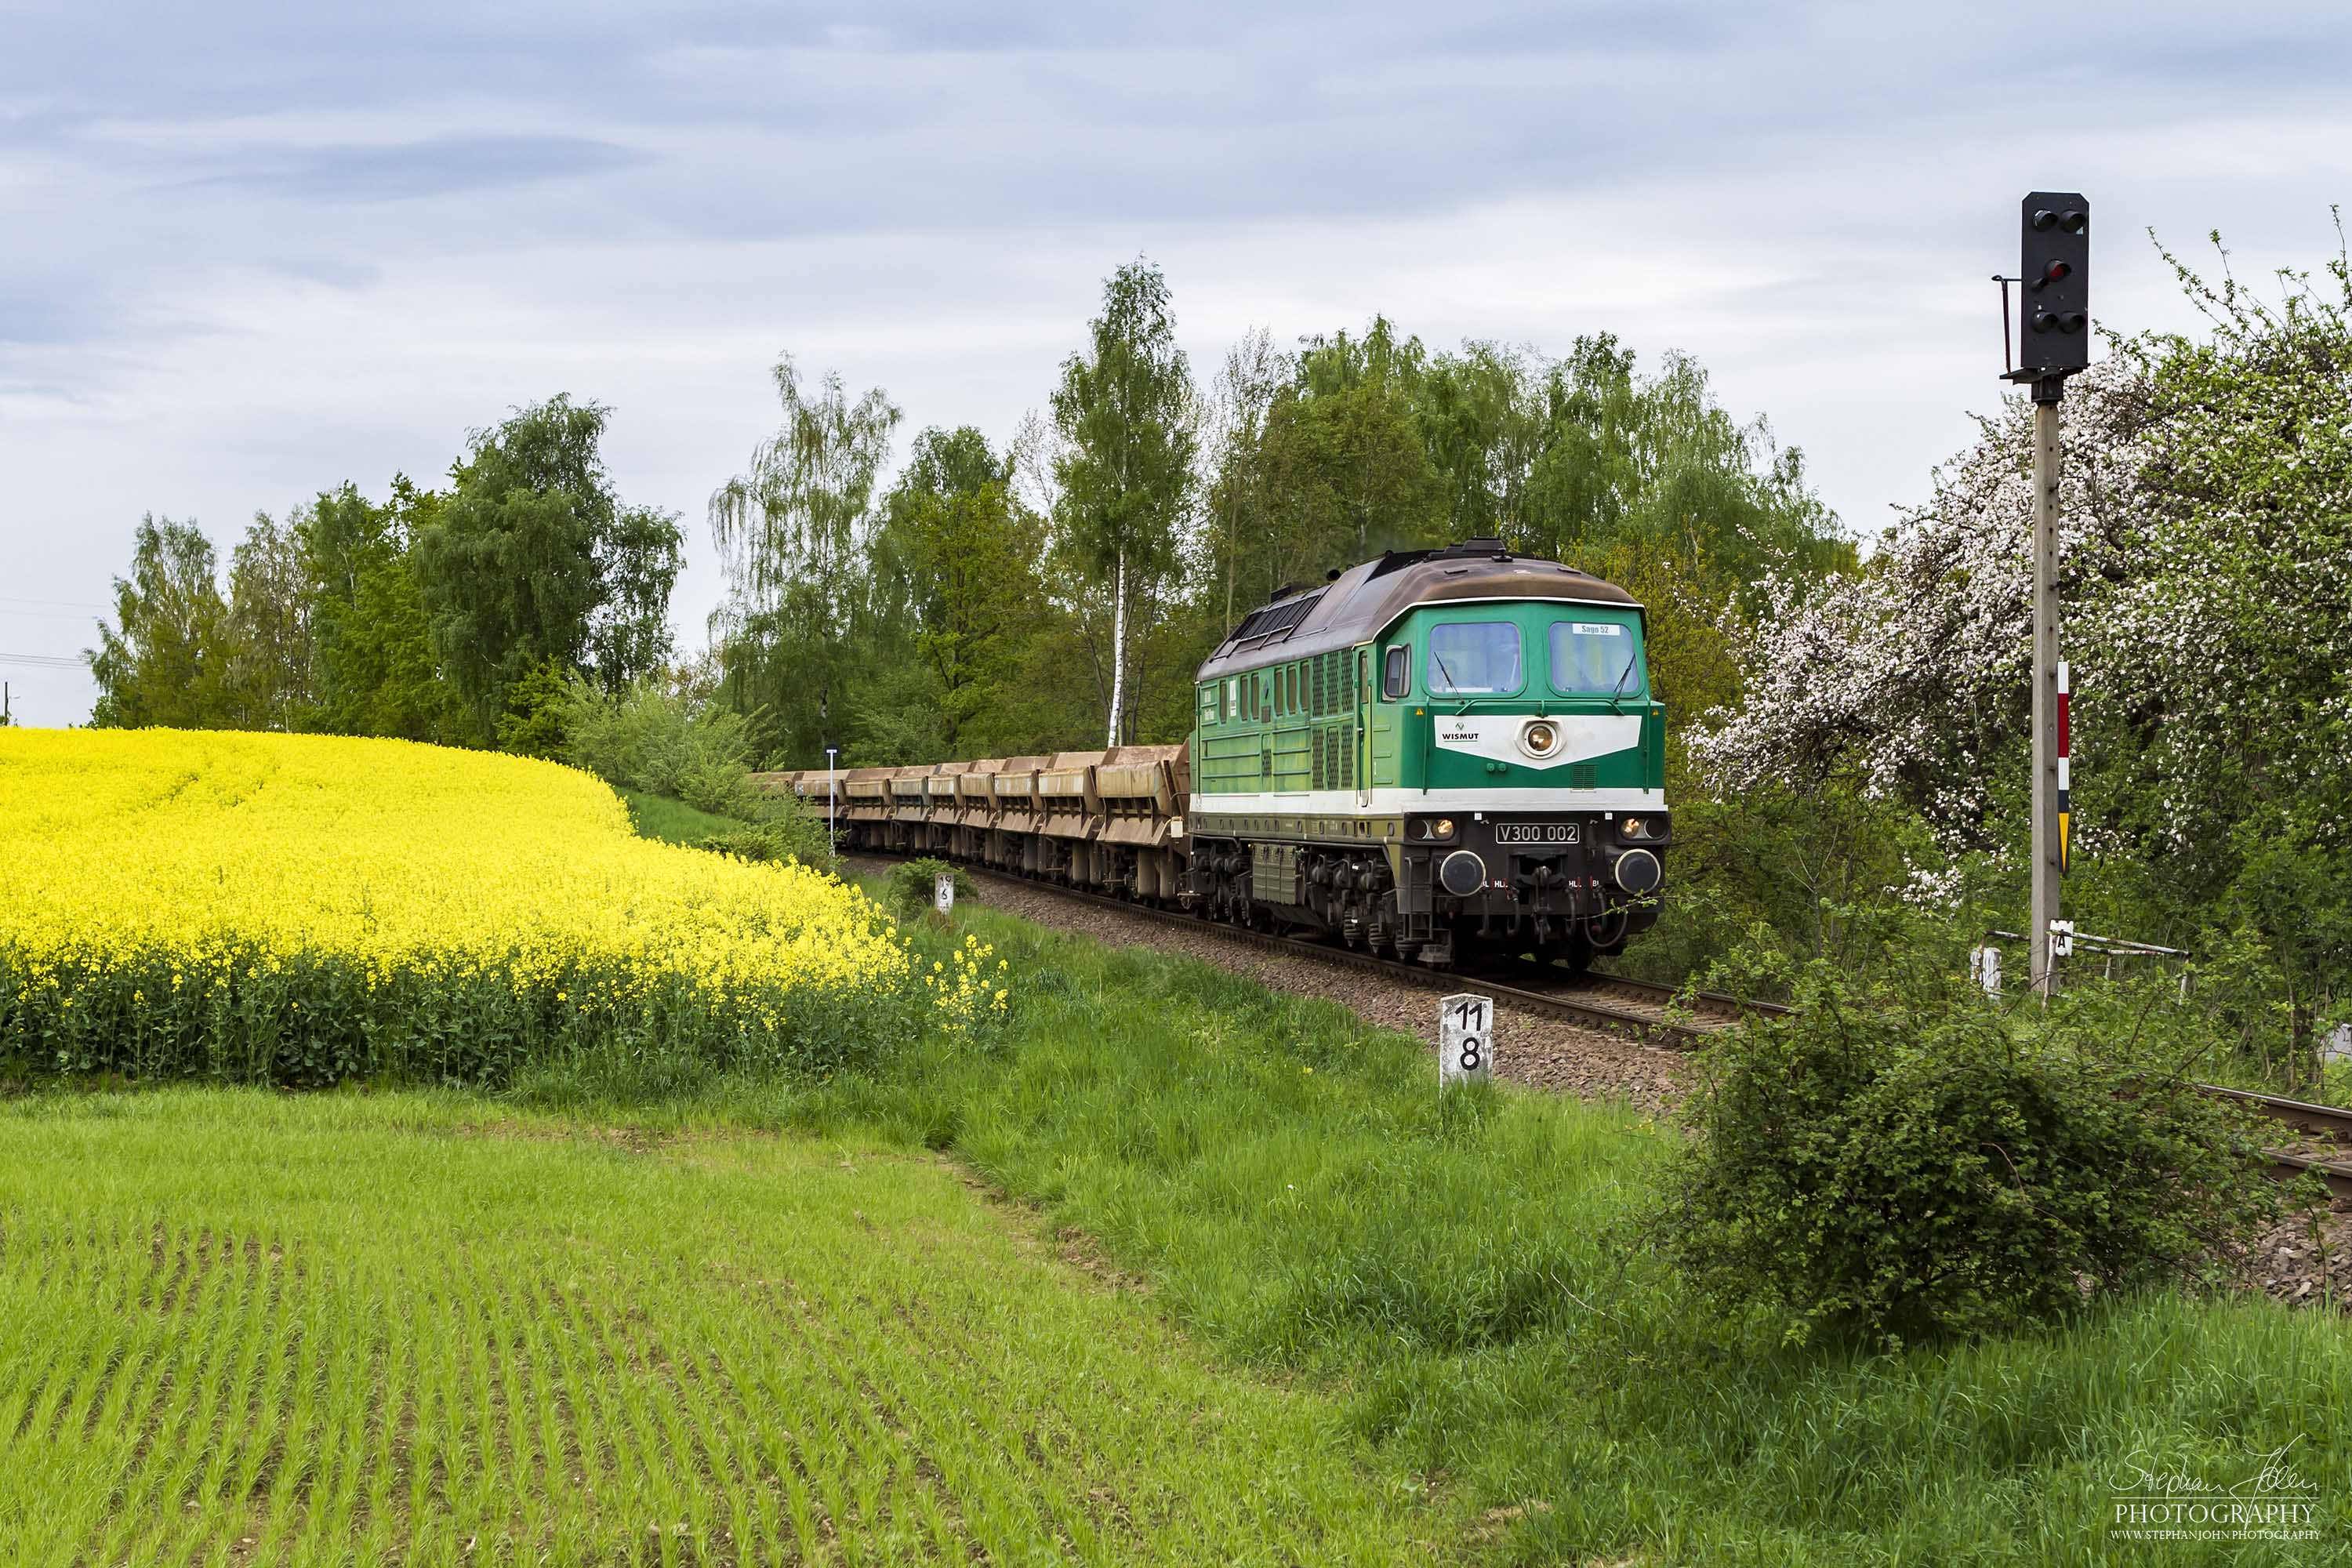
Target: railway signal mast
x=2053 y=342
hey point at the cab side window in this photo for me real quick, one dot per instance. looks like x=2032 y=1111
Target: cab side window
x=1396 y=676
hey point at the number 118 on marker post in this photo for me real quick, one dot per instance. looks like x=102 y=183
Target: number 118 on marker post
x=1465 y=1040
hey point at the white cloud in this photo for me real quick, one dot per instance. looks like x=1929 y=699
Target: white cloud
x=339 y=244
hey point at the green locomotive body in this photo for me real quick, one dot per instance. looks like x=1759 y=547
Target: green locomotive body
x=1435 y=752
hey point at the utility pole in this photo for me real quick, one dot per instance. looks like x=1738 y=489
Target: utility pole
x=2054 y=343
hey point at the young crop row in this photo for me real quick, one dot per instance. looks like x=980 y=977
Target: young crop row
x=530 y=1349
x=299 y=910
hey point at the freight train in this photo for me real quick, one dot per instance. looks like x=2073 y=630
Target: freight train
x=1434 y=755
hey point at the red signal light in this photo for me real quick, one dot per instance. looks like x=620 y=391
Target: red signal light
x=2055 y=272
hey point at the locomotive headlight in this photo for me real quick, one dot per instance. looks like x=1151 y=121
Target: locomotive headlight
x=1634 y=827
x=1442 y=828
x=1540 y=738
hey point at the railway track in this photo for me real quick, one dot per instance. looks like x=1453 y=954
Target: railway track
x=1661 y=1013
x=1640 y=1007
x=2329 y=1124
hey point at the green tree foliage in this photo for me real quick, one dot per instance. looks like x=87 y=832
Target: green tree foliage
x=1050 y=595
x=793 y=534
x=531 y=560
x=378 y=673
x=958 y=556
x=1359 y=444
x=272 y=670
x=167 y=658
x=1124 y=414
x=1347 y=454
x=421 y=617
x=662 y=734
x=666 y=735
x=630 y=637
x=538 y=713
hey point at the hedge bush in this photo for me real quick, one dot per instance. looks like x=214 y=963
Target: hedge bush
x=1916 y=1161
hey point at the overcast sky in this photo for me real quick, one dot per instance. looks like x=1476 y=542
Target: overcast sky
x=248 y=253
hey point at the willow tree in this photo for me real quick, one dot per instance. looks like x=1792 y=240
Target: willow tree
x=1124 y=413
x=792 y=533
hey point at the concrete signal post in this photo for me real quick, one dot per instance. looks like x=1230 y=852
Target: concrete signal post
x=2053 y=342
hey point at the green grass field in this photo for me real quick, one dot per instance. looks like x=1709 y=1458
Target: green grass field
x=237 y=1327
x=1260 y=1296
x=674 y=821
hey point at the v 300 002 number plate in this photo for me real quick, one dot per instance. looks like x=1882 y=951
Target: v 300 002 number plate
x=1536 y=832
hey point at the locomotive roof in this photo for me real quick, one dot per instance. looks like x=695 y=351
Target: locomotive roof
x=1362 y=601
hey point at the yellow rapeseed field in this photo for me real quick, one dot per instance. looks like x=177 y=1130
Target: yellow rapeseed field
x=301 y=909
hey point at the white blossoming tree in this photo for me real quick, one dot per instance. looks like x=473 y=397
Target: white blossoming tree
x=2206 y=579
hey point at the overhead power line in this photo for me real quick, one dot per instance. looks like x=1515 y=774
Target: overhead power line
x=40 y=660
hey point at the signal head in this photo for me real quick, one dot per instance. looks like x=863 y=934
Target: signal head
x=2054 y=260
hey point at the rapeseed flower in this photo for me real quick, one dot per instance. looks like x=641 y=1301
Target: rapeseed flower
x=210 y=891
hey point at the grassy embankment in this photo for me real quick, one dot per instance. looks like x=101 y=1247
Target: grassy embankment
x=688 y=1322
x=674 y=821
x=1292 y=1185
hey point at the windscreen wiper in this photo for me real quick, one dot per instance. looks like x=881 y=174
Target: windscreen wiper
x=1440 y=659
x=1616 y=691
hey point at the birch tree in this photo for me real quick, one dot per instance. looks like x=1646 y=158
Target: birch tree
x=1124 y=411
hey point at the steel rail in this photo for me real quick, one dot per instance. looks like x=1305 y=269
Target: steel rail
x=1574 y=1002
x=1662 y=1015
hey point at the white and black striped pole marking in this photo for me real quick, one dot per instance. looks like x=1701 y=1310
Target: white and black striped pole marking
x=1465 y=1040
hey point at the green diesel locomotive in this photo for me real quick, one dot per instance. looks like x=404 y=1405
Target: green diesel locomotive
x=1434 y=751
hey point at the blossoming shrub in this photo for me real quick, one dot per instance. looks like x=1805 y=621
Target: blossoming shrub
x=301 y=910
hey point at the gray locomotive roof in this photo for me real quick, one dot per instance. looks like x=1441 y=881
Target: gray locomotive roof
x=1366 y=598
